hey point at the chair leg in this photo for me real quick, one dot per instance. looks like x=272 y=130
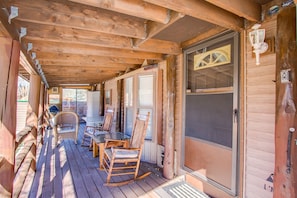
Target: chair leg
x=136 y=169
x=84 y=137
x=111 y=163
x=91 y=145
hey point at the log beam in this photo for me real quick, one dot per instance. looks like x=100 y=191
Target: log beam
x=68 y=48
x=199 y=8
x=285 y=176
x=83 y=17
x=10 y=54
x=51 y=33
x=249 y=10
x=136 y=8
x=154 y=28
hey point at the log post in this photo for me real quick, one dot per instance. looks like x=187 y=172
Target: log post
x=119 y=104
x=168 y=170
x=32 y=112
x=9 y=62
x=41 y=113
x=285 y=176
x=102 y=107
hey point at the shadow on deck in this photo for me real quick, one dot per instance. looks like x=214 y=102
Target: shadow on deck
x=71 y=171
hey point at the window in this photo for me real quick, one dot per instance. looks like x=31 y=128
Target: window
x=54 y=99
x=108 y=97
x=129 y=105
x=146 y=100
x=75 y=100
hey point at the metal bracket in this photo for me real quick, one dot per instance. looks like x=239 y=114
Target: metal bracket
x=33 y=56
x=14 y=12
x=38 y=66
x=30 y=47
x=22 y=33
x=36 y=62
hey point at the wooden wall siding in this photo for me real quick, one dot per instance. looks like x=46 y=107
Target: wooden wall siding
x=260 y=119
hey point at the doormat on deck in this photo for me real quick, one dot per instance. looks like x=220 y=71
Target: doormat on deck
x=184 y=190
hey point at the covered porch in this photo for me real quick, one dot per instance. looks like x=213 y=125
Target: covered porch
x=70 y=170
x=221 y=119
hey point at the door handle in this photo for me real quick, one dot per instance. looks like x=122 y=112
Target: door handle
x=235 y=115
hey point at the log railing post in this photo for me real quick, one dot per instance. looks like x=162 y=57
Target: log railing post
x=32 y=112
x=168 y=171
x=41 y=112
x=9 y=64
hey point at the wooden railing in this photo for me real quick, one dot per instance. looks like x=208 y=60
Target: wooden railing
x=25 y=154
x=24 y=157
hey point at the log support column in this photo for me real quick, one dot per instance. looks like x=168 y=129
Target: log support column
x=32 y=112
x=168 y=170
x=285 y=177
x=9 y=63
x=41 y=113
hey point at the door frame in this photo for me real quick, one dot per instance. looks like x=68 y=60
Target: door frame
x=236 y=94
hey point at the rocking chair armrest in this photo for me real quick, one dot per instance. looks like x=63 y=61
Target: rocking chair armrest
x=114 y=143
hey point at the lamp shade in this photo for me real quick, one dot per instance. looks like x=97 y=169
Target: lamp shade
x=257 y=37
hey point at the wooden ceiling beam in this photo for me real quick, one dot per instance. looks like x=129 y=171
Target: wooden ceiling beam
x=204 y=11
x=13 y=32
x=247 y=9
x=103 y=68
x=68 y=48
x=43 y=32
x=154 y=28
x=81 y=63
x=80 y=17
x=67 y=59
x=136 y=8
x=160 y=45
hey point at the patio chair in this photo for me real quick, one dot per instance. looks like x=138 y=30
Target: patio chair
x=125 y=161
x=65 y=126
x=101 y=128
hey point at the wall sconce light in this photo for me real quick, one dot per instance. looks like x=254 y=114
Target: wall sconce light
x=257 y=37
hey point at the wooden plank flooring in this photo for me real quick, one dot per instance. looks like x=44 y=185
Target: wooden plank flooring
x=71 y=171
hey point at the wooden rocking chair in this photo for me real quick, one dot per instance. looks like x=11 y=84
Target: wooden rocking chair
x=104 y=128
x=126 y=161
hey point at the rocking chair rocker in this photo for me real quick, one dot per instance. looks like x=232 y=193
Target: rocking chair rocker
x=126 y=161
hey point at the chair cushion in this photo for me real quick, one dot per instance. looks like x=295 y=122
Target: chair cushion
x=66 y=129
x=96 y=133
x=125 y=153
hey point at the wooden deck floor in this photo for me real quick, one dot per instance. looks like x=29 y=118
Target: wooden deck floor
x=71 y=171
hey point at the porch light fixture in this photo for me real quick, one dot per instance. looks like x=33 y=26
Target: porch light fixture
x=257 y=37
